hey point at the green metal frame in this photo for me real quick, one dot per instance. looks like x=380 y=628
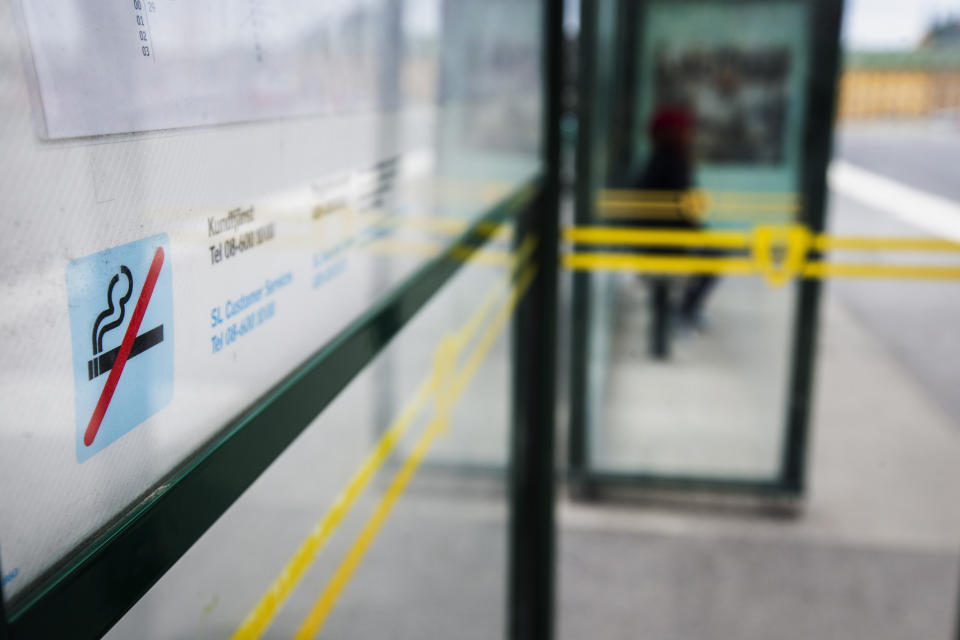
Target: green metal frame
x=818 y=141
x=531 y=587
x=578 y=452
x=816 y=144
x=85 y=594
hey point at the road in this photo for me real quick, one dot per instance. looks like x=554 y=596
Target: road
x=918 y=322
x=925 y=155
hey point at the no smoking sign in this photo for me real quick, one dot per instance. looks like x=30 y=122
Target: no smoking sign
x=121 y=325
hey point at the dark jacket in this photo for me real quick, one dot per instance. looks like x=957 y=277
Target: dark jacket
x=671 y=172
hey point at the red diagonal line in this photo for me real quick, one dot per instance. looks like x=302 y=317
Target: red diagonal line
x=111 y=384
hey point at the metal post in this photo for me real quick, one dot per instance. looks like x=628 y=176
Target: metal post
x=578 y=454
x=532 y=489
x=821 y=104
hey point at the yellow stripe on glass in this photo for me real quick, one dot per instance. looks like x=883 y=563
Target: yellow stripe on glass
x=435 y=384
x=777 y=252
x=697 y=204
x=325 y=603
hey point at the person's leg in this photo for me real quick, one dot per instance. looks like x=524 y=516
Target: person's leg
x=697 y=289
x=694 y=296
x=660 y=317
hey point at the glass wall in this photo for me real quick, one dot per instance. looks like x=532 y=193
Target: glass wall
x=694 y=135
x=310 y=545
x=202 y=199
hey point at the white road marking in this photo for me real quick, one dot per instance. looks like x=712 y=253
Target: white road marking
x=934 y=214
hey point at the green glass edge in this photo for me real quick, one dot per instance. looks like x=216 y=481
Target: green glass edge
x=595 y=481
x=74 y=598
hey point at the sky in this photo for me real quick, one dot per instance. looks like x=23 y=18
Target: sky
x=888 y=24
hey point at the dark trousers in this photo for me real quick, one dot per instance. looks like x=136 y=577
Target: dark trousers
x=691 y=304
x=695 y=295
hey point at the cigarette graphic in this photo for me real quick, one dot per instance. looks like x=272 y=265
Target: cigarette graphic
x=126 y=347
x=104 y=362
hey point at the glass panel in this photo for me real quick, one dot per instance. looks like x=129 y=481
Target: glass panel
x=697 y=128
x=436 y=566
x=871 y=548
x=199 y=197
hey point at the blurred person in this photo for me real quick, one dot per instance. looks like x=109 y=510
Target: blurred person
x=670 y=169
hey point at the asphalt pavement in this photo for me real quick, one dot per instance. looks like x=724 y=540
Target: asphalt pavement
x=923 y=154
x=917 y=321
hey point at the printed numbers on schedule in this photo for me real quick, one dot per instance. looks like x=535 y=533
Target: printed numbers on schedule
x=141 y=10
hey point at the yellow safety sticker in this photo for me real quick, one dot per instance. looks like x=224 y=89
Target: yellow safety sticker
x=316 y=618
x=697 y=204
x=778 y=253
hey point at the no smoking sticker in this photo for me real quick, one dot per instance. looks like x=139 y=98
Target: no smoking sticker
x=121 y=325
